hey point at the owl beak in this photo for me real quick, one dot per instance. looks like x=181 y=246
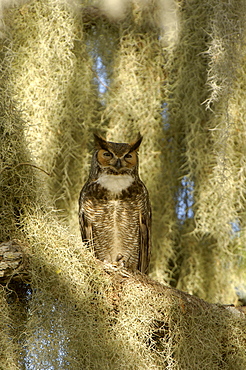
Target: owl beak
x=118 y=164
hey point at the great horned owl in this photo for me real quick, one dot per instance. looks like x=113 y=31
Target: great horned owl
x=114 y=207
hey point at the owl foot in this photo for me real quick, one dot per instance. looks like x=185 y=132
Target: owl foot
x=119 y=260
x=118 y=266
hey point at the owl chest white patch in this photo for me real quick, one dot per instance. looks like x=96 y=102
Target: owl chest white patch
x=115 y=183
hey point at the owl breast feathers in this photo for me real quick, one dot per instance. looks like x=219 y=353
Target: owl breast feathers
x=114 y=207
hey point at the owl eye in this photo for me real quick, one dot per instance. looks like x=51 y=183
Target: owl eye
x=107 y=154
x=128 y=156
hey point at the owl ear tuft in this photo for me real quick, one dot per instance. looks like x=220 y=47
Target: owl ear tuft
x=100 y=143
x=136 y=144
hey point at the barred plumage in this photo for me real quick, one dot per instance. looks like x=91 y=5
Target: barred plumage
x=114 y=207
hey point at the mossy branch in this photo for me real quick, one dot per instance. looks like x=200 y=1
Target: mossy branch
x=14 y=265
x=128 y=307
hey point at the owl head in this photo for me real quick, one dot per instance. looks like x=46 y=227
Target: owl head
x=117 y=158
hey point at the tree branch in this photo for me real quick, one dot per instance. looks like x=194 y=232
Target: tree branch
x=14 y=267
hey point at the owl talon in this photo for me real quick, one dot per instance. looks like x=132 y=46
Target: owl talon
x=120 y=268
x=119 y=257
x=120 y=262
x=110 y=266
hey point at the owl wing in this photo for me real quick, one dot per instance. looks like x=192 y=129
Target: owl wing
x=145 y=240
x=85 y=224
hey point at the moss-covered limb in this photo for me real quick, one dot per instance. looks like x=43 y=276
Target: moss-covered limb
x=14 y=265
x=92 y=316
